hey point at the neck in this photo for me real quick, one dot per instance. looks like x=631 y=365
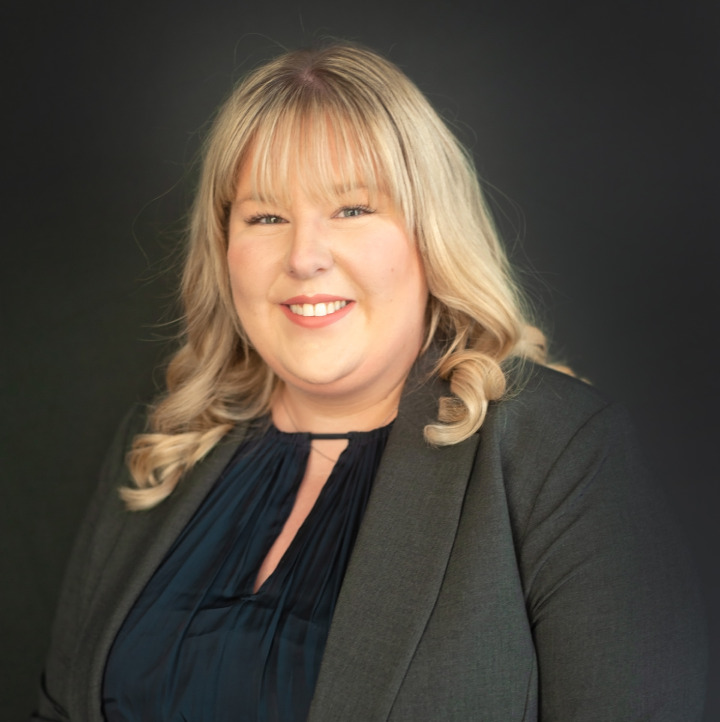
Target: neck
x=294 y=410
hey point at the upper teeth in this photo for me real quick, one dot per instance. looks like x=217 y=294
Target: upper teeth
x=317 y=309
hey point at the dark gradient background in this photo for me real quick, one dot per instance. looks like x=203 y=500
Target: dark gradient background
x=594 y=126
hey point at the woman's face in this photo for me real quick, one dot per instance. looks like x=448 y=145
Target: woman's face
x=331 y=294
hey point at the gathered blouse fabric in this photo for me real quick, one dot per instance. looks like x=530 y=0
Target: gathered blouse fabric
x=200 y=643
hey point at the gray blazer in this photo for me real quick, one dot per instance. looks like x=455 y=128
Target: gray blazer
x=528 y=573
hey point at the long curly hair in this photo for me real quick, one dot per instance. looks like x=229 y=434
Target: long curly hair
x=295 y=112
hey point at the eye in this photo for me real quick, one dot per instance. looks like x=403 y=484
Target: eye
x=354 y=211
x=267 y=219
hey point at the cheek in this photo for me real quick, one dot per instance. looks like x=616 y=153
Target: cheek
x=407 y=277
x=235 y=266
x=245 y=269
x=393 y=269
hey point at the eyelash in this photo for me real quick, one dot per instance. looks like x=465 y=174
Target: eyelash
x=260 y=217
x=360 y=207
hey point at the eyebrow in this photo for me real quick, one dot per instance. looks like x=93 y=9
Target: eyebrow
x=244 y=199
x=355 y=186
x=339 y=189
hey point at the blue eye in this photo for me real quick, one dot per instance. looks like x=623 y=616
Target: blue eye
x=264 y=219
x=354 y=211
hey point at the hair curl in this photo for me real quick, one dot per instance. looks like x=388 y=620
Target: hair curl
x=290 y=112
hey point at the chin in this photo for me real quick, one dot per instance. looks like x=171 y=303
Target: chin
x=318 y=383
x=314 y=377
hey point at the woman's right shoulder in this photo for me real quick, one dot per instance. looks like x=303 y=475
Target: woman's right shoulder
x=105 y=512
x=114 y=471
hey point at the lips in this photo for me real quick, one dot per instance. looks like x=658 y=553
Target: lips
x=316 y=311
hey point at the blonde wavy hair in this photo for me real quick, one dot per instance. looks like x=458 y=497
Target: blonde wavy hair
x=295 y=112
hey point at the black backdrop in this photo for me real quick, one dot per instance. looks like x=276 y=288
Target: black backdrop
x=595 y=128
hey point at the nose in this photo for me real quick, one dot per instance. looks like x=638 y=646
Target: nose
x=309 y=252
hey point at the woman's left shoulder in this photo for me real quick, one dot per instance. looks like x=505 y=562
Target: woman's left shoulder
x=544 y=389
x=604 y=565
x=552 y=430
x=553 y=407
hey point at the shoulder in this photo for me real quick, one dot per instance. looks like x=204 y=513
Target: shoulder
x=603 y=563
x=537 y=392
x=115 y=473
x=105 y=514
x=545 y=410
x=555 y=438
x=134 y=422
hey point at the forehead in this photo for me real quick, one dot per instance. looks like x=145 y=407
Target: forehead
x=324 y=157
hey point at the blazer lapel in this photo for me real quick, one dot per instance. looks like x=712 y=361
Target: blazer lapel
x=397 y=566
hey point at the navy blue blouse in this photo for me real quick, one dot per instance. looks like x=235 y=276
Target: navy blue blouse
x=199 y=645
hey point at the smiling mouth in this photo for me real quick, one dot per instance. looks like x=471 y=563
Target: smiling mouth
x=317 y=309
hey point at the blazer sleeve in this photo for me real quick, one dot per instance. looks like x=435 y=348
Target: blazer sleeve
x=611 y=592
x=53 y=702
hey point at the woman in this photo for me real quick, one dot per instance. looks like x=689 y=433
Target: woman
x=360 y=498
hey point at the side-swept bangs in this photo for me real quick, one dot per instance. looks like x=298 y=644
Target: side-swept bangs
x=331 y=130
x=328 y=150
